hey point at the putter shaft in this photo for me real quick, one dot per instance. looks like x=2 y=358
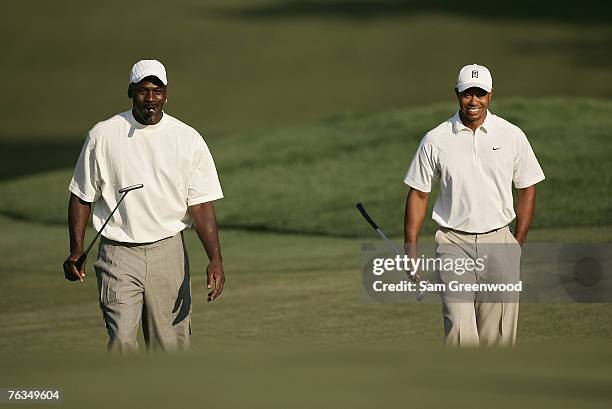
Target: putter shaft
x=421 y=294
x=125 y=190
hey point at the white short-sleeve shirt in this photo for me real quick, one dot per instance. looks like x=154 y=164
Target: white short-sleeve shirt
x=170 y=158
x=476 y=171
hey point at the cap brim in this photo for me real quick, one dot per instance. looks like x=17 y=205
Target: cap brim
x=480 y=85
x=150 y=75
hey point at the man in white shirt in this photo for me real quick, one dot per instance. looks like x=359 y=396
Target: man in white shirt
x=142 y=267
x=476 y=156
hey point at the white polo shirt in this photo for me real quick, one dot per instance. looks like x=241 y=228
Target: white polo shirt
x=475 y=170
x=170 y=158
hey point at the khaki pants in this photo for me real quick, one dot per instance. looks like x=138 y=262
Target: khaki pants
x=148 y=283
x=473 y=318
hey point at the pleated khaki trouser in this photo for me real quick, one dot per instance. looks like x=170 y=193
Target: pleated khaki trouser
x=479 y=318
x=148 y=283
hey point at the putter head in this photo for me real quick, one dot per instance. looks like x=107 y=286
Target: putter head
x=422 y=293
x=133 y=187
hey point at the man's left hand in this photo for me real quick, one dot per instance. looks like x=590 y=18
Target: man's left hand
x=215 y=279
x=521 y=239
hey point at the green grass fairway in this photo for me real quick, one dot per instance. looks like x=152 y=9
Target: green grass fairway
x=282 y=289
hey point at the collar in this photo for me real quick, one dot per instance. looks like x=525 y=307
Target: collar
x=146 y=128
x=458 y=126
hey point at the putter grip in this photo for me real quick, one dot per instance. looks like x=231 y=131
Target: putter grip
x=366 y=216
x=79 y=263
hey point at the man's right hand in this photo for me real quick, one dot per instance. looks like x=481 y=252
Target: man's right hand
x=78 y=214
x=74 y=267
x=416 y=207
x=410 y=249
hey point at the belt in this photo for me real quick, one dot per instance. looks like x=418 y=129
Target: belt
x=446 y=229
x=130 y=244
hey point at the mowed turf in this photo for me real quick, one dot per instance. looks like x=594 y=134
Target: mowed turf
x=281 y=289
x=306 y=179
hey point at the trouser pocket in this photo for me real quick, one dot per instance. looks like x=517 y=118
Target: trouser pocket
x=107 y=268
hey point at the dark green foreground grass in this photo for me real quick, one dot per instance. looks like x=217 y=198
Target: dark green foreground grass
x=399 y=376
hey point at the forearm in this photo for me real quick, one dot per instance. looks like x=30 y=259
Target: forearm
x=78 y=215
x=205 y=224
x=416 y=207
x=525 y=210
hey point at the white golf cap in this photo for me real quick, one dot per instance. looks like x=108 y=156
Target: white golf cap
x=474 y=75
x=147 y=68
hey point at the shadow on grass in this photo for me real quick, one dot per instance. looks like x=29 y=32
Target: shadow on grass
x=36 y=156
x=585 y=12
x=262 y=229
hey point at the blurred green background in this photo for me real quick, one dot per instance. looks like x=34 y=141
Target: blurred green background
x=308 y=107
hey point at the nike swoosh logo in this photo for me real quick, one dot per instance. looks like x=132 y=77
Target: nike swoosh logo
x=499 y=147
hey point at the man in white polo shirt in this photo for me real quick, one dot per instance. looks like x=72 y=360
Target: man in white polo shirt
x=475 y=156
x=142 y=267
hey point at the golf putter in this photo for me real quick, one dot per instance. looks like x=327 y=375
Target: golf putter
x=421 y=294
x=125 y=190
